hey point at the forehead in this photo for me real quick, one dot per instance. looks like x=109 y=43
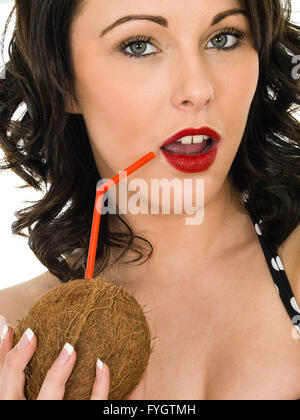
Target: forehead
x=107 y=11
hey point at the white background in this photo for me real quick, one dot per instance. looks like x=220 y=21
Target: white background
x=17 y=260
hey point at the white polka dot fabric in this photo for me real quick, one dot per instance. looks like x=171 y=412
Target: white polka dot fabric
x=277 y=269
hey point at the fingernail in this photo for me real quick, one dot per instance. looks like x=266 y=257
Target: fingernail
x=65 y=354
x=99 y=369
x=26 y=339
x=4 y=332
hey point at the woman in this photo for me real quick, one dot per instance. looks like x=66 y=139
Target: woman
x=102 y=89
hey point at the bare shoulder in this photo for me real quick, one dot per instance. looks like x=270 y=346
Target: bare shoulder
x=16 y=301
x=289 y=252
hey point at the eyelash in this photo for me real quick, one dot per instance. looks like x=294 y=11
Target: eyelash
x=148 y=39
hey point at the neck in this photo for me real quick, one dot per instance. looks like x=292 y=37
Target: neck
x=182 y=252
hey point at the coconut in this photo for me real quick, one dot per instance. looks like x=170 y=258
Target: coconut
x=100 y=320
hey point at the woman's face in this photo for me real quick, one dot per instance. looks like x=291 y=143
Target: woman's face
x=178 y=79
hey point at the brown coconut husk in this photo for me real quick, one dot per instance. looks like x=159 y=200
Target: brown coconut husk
x=100 y=320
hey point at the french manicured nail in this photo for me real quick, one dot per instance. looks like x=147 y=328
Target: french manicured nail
x=99 y=369
x=4 y=332
x=65 y=354
x=26 y=339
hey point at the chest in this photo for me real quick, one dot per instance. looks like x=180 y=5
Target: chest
x=243 y=365
x=237 y=343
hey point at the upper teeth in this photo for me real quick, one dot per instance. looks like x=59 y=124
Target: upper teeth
x=192 y=139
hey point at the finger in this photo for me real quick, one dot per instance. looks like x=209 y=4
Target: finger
x=100 y=389
x=54 y=385
x=13 y=377
x=6 y=343
x=139 y=392
x=2 y=323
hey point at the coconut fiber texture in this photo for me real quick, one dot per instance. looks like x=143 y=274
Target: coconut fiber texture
x=100 y=320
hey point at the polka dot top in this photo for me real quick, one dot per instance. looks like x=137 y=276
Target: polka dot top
x=278 y=273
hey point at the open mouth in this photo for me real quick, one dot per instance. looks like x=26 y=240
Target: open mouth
x=192 y=147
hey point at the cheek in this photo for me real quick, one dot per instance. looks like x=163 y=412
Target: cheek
x=237 y=89
x=115 y=112
x=110 y=86
x=109 y=97
x=240 y=83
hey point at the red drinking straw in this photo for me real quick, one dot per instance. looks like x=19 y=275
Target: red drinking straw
x=98 y=204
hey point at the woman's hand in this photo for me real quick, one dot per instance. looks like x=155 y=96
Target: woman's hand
x=14 y=360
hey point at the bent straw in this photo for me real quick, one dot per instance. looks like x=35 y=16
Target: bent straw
x=97 y=215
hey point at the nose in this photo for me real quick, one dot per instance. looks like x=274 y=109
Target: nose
x=192 y=83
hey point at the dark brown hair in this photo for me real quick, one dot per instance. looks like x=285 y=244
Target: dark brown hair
x=49 y=148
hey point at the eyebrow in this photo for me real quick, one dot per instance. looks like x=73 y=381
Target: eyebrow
x=160 y=20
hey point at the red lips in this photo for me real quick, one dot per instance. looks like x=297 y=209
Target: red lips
x=206 y=131
x=193 y=163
